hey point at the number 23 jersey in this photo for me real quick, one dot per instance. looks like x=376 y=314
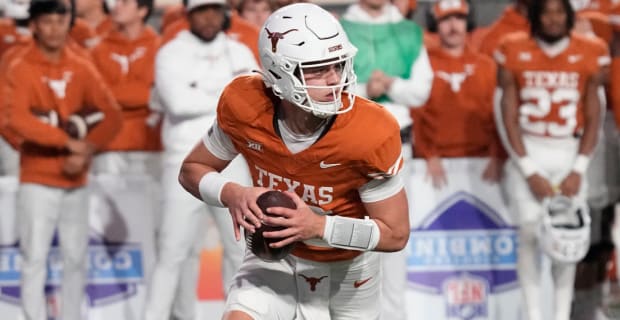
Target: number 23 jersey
x=361 y=145
x=551 y=88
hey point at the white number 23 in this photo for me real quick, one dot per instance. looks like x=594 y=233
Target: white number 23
x=538 y=105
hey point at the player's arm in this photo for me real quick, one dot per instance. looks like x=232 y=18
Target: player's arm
x=386 y=228
x=19 y=118
x=391 y=216
x=415 y=90
x=200 y=176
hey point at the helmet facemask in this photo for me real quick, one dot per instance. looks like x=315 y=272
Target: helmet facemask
x=294 y=88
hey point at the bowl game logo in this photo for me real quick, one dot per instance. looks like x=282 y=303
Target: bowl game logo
x=464 y=251
x=114 y=270
x=466 y=296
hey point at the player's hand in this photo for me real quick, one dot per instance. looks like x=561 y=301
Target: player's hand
x=241 y=203
x=300 y=224
x=81 y=147
x=540 y=187
x=435 y=172
x=75 y=164
x=570 y=185
x=376 y=86
x=493 y=171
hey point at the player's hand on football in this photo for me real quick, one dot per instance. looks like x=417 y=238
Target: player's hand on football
x=436 y=172
x=570 y=185
x=241 y=203
x=540 y=187
x=300 y=224
x=493 y=171
x=75 y=164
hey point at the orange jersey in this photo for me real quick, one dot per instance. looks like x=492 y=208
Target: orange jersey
x=457 y=120
x=239 y=30
x=355 y=155
x=552 y=90
x=127 y=66
x=66 y=87
x=511 y=21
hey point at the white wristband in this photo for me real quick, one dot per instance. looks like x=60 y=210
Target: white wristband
x=351 y=233
x=581 y=164
x=527 y=166
x=210 y=188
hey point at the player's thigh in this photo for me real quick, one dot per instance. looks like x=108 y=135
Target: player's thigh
x=355 y=289
x=264 y=290
x=523 y=206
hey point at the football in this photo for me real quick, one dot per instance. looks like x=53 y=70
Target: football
x=258 y=244
x=80 y=123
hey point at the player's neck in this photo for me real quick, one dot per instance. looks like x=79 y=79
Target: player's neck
x=554 y=48
x=453 y=51
x=373 y=11
x=131 y=31
x=50 y=53
x=299 y=121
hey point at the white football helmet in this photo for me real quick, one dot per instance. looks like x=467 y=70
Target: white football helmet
x=565 y=229
x=305 y=35
x=17 y=9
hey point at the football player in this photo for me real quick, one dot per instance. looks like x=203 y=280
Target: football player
x=550 y=117
x=300 y=132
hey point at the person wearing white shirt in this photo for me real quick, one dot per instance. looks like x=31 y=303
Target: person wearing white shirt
x=393 y=69
x=190 y=74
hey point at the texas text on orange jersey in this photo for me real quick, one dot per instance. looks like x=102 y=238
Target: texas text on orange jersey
x=359 y=146
x=551 y=88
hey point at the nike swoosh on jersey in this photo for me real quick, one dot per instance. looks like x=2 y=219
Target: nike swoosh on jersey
x=359 y=283
x=324 y=165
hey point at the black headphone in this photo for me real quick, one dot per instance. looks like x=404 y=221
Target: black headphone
x=431 y=21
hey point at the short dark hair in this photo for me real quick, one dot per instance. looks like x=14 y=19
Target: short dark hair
x=148 y=4
x=43 y=7
x=536 y=8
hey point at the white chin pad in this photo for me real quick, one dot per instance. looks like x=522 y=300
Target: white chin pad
x=351 y=233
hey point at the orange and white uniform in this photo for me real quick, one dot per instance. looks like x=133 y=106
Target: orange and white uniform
x=551 y=86
x=510 y=21
x=332 y=175
x=457 y=120
x=127 y=66
x=47 y=198
x=239 y=30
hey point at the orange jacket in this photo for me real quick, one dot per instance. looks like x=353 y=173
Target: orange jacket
x=83 y=34
x=511 y=21
x=239 y=30
x=457 y=120
x=171 y=14
x=127 y=66
x=66 y=87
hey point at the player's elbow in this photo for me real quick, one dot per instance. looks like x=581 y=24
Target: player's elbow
x=398 y=240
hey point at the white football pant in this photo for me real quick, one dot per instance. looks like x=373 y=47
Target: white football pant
x=299 y=289
x=555 y=158
x=176 y=273
x=40 y=209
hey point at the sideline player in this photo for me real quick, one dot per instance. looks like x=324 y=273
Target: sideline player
x=551 y=116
